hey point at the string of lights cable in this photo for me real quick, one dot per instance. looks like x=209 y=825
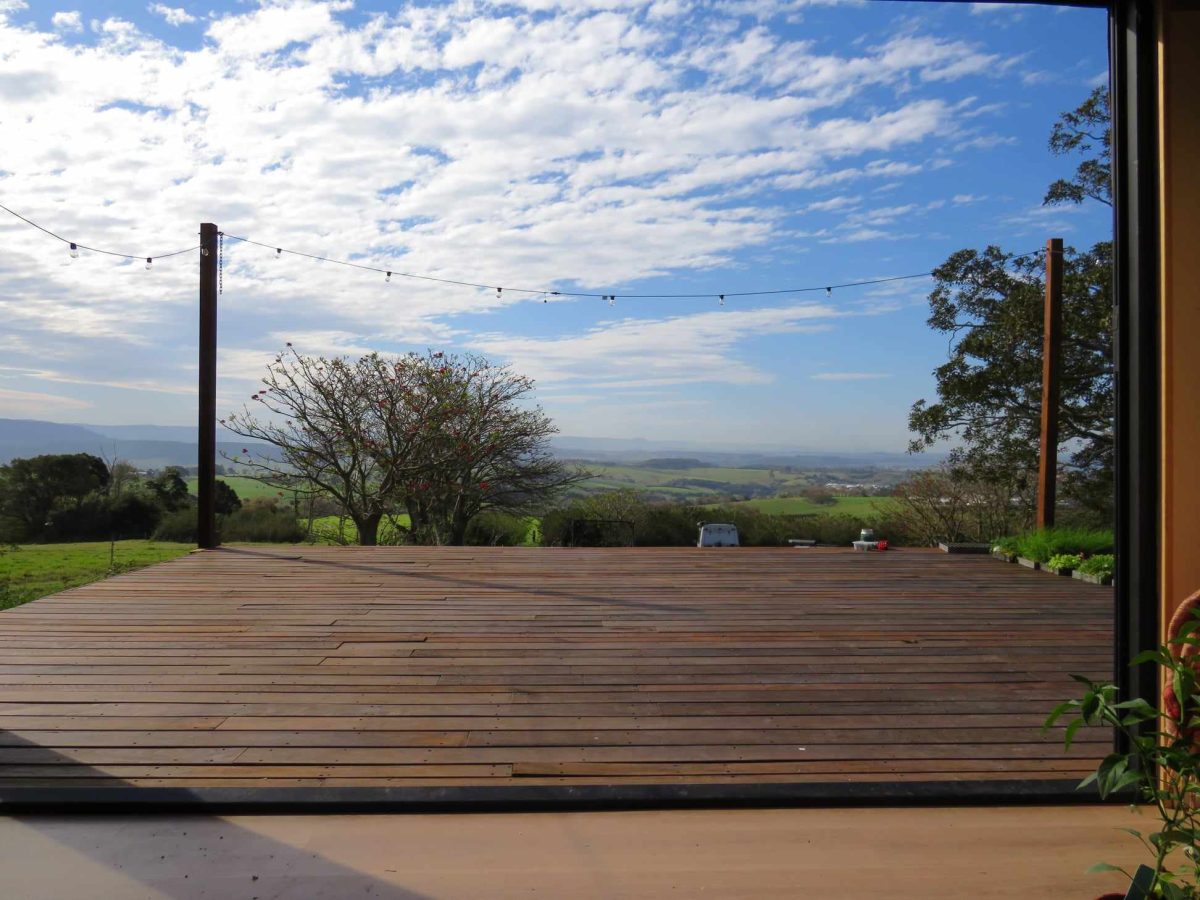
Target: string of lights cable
x=611 y=298
x=545 y=293
x=75 y=247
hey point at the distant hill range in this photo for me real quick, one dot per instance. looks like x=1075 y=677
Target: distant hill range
x=145 y=446
x=156 y=446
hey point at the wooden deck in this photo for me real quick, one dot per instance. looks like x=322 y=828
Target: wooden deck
x=444 y=667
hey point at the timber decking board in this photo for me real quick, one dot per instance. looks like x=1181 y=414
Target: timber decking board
x=427 y=667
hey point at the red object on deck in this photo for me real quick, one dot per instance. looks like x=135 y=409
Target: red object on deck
x=881 y=545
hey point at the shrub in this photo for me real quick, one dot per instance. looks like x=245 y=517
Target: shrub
x=497 y=529
x=1101 y=564
x=177 y=526
x=1064 y=561
x=1006 y=544
x=262 y=522
x=596 y=523
x=1048 y=542
x=944 y=505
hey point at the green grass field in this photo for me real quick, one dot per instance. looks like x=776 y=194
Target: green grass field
x=861 y=507
x=246 y=488
x=325 y=529
x=34 y=570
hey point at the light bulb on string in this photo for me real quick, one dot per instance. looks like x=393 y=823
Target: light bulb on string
x=278 y=252
x=721 y=300
x=828 y=292
x=612 y=299
x=74 y=250
x=498 y=291
x=388 y=277
x=149 y=263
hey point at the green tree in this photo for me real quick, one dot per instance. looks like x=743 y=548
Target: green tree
x=990 y=305
x=1084 y=131
x=225 y=499
x=31 y=489
x=169 y=489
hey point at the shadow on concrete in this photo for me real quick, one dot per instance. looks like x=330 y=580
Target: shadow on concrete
x=182 y=856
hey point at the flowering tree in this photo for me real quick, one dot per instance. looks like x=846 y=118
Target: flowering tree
x=443 y=437
x=490 y=451
x=350 y=430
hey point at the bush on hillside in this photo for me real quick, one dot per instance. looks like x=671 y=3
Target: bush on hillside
x=131 y=515
x=943 y=505
x=678 y=524
x=177 y=526
x=497 y=529
x=262 y=521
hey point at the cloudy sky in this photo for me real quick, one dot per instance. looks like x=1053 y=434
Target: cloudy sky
x=595 y=145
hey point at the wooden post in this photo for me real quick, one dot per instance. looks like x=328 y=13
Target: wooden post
x=206 y=523
x=1051 y=362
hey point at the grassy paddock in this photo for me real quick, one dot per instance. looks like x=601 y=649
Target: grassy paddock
x=34 y=570
x=861 y=507
x=247 y=488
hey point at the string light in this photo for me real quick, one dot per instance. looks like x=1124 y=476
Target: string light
x=611 y=299
x=74 y=248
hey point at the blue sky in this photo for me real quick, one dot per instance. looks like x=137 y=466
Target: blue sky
x=603 y=146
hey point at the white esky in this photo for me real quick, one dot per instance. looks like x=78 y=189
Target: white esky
x=602 y=146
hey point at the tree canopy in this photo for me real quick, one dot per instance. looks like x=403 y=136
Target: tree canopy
x=439 y=436
x=990 y=304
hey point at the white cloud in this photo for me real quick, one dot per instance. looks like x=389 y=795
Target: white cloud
x=849 y=376
x=36 y=404
x=588 y=147
x=174 y=15
x=67 y=21
x=980 y=9
x=682 y=349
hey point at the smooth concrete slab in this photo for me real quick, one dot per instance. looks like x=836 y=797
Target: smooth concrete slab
x=858 y=854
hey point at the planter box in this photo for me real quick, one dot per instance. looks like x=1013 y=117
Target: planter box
x=964 y=548
x=1062 y=570
x=1004 y=556
x=1028 y=563
x=1092 y=579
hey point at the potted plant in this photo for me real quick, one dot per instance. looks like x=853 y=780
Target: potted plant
x=1161 y=767
x=1096 y=569
x=1005 y=549
x=1064 y=563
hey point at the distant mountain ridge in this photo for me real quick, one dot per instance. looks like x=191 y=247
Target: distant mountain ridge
x=156 y=446
x=31 y=437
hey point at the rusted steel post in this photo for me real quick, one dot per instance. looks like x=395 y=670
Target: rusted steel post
x=206 y=523
x=1051 y=365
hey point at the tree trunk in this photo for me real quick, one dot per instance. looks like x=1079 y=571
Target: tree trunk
x=368 y=530
x=458 y=529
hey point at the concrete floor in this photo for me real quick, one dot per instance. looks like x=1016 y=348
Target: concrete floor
x=1027 y=852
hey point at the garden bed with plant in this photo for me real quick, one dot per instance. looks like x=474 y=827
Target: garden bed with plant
x=1083 y=553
